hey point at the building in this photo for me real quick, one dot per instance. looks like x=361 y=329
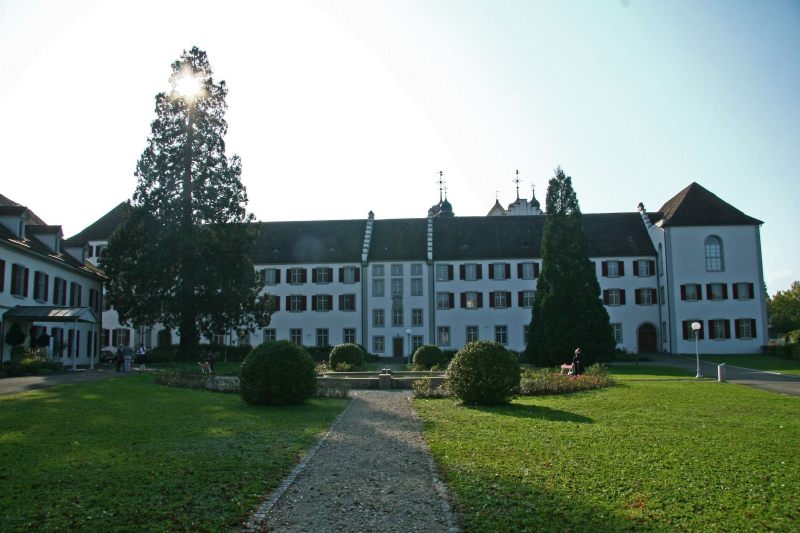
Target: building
x=48 y=290
x=393 y=285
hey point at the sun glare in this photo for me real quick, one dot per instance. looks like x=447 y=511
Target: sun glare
x=188 y=86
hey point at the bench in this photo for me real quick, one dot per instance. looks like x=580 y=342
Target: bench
x=566 y=368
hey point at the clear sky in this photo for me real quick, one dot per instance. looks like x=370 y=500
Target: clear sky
x=342 y=107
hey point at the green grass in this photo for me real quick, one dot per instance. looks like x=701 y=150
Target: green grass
x=125 y=454
x=759 y=362
x=632 y=372
x=640 y=456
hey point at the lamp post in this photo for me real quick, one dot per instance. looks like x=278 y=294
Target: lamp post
x=696 y=327
x=408 y=341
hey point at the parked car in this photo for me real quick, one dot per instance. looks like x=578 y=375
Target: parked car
x=107 y=356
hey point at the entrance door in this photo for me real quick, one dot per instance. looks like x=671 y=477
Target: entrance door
x=647 y=339
x=397 y=347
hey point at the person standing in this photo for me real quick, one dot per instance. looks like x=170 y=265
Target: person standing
x=141 y=354
x=126 y=353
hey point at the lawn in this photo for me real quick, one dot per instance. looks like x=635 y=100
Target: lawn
x=633 y=372
x=639 y=456
x=125 y=454
x=759 y=362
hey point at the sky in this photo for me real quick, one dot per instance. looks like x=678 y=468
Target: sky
x=341 y=107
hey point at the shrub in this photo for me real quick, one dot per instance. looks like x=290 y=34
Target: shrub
x=319 y=354
x=423 y=388
x=483 y=373
x=27 y=361
x=428 y=356
x=184 y=379
x=278 y=373
x=538 y=382
x=351 y=355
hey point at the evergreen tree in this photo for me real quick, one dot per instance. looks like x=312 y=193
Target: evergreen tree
x=567 y=309
x=182 y=257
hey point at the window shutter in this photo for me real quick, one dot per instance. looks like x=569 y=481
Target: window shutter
x=462 y=272
x=451 y=297
x=708 y=291
x=508 y=299
x=652 y=264
x=276 y=303
x=727 y=329
x=304 y=275
x=711 y=334
x=536 y=270
x=114 y=337
x=25 y=283
x=480 y=300
x=277 y=275
x=622 y=297
x=635 y=267
x=2 y=275
x=621 y=268
x=724 y=291
x=304 y=303
x=449 y=272
x=654 y=296
x=341 y=274
x=605 y=296
x=737 y=328
x=698 y=289
x=314 y=300
x=479 y=271
x=46 y=287
x=637 y=295
x=519 y=270
x=463 y=300
x=702 y=330
x=685 y=330
x=491 y=299
x=753 y=328
x=314 y=275
x=604 y=266
x=735 y=291
x=341 y=302
x=508 y=270
x=519 y=299
x=358 y=274
x=491 y=271
x=683 y=292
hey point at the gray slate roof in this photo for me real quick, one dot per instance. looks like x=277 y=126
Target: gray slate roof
x=697 y=206
x=399 y=239
x=103 y=227
x=322 y=241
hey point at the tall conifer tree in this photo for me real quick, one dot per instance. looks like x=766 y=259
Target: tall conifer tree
x=567 y=309
x=183 y=256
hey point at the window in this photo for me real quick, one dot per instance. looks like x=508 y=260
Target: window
x=121 y=337
x=397 y=270
x=397 y=317
x=645 y=296
x=271 y=276
x=416 y=286
x=297 y=276
x=322 y=275
x=295 y=303
x=40 y=286
x=743 y=291
x=349 y=335
x=471 y=300
x=691 y=292
x=416 y=269
x=19 y=280
x=689 y=333
x=270 y=335
x=714 y=254
x=378 y=344
x=500 y=271
x=614 y=296
x=501 y=334
x=94 y=300
x=528 y=270
x=613 y=269
x=322 y=337
x=443 y=335
x=444 y=272
x=377 y=287
x=472 y=333
x=717 y=291
x=719 y=328
x=75 y=293
x=616 y=331
x=643 y=267
x=378 y=318
x=745 y=328
x=219 y=340
x=296 y=336
x=471 y=272
x=377 y=271
x=525 y=299
x=500 y=299
x=321 y=302
x=416 y=317
x=59 y=291
x=444 y=300
x=416 y=342
x=349 y=275
x=347 y=302
x=397 y=286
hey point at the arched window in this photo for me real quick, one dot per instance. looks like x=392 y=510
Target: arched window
x=714 y=254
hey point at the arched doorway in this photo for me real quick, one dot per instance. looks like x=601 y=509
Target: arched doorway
x=647 y=340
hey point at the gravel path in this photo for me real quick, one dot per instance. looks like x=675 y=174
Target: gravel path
x=373 y=472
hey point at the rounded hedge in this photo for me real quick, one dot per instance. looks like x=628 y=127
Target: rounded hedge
x=277 y=373
x=428 y=356
x=483 y=373
x=349 y=353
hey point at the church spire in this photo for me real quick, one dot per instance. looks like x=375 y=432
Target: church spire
x=441 y=184
x=516 y=181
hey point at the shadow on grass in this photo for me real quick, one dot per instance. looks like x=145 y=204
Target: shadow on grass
x=538 y=412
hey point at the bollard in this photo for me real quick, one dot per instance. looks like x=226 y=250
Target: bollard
x=721 y=372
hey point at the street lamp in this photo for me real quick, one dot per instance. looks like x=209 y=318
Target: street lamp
x=408 y=341
x=696 y=327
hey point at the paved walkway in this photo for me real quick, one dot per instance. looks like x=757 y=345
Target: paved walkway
x=761 y=379
x=373 y=472
x=26 y=383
